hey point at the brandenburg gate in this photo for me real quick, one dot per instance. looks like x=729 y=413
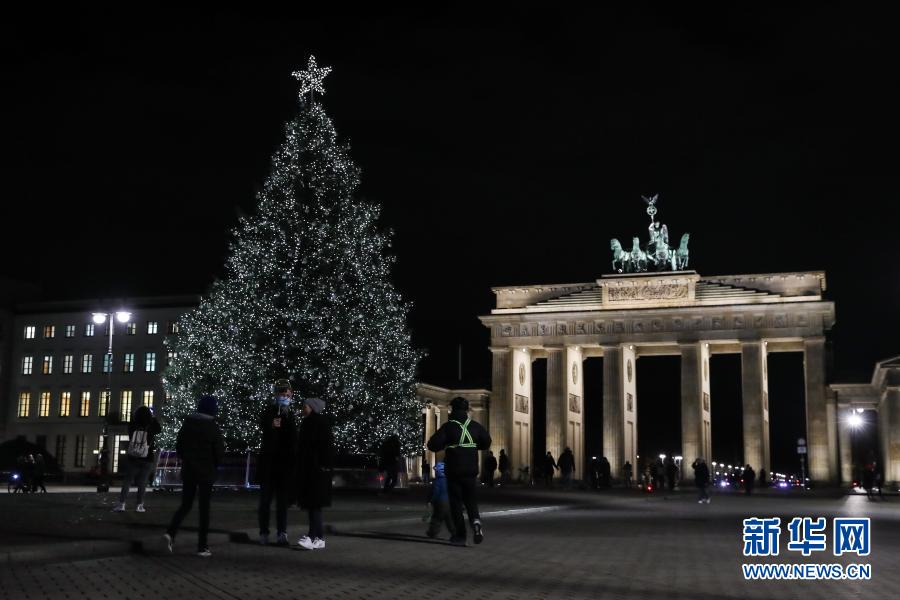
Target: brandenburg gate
x=653 y=305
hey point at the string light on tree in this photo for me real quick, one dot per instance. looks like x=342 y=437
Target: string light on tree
x=306 y=295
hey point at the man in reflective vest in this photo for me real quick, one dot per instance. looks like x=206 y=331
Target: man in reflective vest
x=461 y=438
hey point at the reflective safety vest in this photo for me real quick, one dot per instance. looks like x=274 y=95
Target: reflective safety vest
x=465 y=438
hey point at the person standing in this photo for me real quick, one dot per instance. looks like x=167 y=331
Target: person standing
x=550 y=468
x=426 y=471
x=490 y=466
x=200 y=448
x=567 y=467
x=701 y=480
x=39 y=468
x=671 y=472
x=276 y=461
x=462 y=438
x=390 y=459
x=141 y=455
x=315 y=461
x=505 y=472
x=749 y=476
x=627 y=472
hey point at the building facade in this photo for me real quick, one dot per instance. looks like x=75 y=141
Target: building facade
x=63 y=387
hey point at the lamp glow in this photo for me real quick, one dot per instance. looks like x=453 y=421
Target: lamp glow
x=123 y=316
x=99 y=318
x=855 y=420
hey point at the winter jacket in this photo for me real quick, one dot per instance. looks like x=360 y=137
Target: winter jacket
x=490 y=464
x=439 y=491
x=701 y=474
x=315 y=461
x=567 y=462
x=152 y=428
x=459 y=461
x=200 y=447
x=278 y=453
x=504 y=463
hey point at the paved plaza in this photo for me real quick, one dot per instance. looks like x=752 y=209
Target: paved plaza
x=538 y=545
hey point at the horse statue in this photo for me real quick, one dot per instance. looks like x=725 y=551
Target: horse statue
x=621 y=262
x=638 y=256
x=662 y=257
x=681 y=254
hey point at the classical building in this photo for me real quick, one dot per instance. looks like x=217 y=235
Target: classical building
x=63 y=390
x=625 y=316
x=881 y=395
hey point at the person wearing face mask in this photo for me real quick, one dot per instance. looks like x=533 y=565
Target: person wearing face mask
x=277 y=457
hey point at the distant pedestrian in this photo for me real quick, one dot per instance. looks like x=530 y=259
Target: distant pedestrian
x=389 y=458
x=490 y=467
x=749 y=476
x=277 y=458
x=140 y=458
x=868 y=479
x=426 y=471
x=462 y=438
x=505 y=471
x=594 y=473
x=671 y=472
x=315 y=462
x=605 y=473
x=627 y=473
x=40 y=468
x=439 y=499
x=763 y=481
x=567 y=467
x=701 y=480
x=200 y=448
x=550 y=468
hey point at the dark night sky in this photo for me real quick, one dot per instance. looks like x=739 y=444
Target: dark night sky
x=505 y=149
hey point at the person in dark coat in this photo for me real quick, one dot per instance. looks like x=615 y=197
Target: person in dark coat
x=868 y=479
x=749 y=476
x=440 y=504
x=40 y=468
x=594 y=473
x=315 y=462
x=504 y=466
x=550 y=468
x=671 y=472
x=277 y=456
x=389 y=458
x=490 y=466
x=627 y=472
x=462 y=438
x=605 y=472
x=763 y=480
x=426 y=471
x=200 y=447
x=701 y=479
x=141 y=455
x=567 y=467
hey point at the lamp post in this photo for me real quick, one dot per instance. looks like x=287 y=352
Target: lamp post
x=100 y=318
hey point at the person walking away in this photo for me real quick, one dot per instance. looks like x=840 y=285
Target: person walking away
x=461 y=438
x=763 y=482
x=490 y=466
x=749 y=479
x=140 y=457
x=276 y=462
x=426 y=471
x=200 y=447
x=550 y=467
x=39 y=470
x=671 y=472
x=701 y=479
x=315 y=462
x=627 y=472
x=440 y=504
x=505 y=471
x=567 y=467
x=390 y=458
x=605 y=473
x=868 y=479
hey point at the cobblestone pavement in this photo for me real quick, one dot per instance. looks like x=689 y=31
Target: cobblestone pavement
x=616 y=547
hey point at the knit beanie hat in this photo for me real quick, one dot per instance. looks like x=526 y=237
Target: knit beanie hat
x=316 y=404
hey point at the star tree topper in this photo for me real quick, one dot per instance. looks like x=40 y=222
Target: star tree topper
x=311 y=79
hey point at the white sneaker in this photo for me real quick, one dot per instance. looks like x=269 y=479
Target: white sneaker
x=170 y=542
x=700 y=501
x=205 y=553
x=305 y=543
x=318 y=544
x=119 y=507
x=140 y=508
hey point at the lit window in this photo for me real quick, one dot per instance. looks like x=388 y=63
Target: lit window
x=68 y=361
x=47 y=365
x=148 y=398
x=128 y=365
x=80 y=451
x=119 y=448
x=44 y=408
x=61 y=450
x=130 y=328
x=49 y=332
x=24 y=404
x=170 y=357
x=85 y=410
x=88 y=330
x=152 y=327
x=87 y=363
x=65 y=404
x=125 y=406
x=150 y=362
x=103 y=408
x=27 y=365
x=107 y=363
x=70 y=331
x=30 y=332
x=173 y=328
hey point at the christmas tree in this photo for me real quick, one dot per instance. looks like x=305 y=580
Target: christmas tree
x=306 y=295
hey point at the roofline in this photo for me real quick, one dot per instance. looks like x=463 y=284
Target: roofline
x=92 y=304
x=438 y=388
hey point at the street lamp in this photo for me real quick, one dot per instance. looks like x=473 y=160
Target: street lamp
x=100 y=318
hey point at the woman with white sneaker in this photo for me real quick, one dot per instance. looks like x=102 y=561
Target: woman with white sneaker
x=315 y=459
x=141 y=455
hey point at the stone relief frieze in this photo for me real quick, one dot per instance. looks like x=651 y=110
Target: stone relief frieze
x=647 y=292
